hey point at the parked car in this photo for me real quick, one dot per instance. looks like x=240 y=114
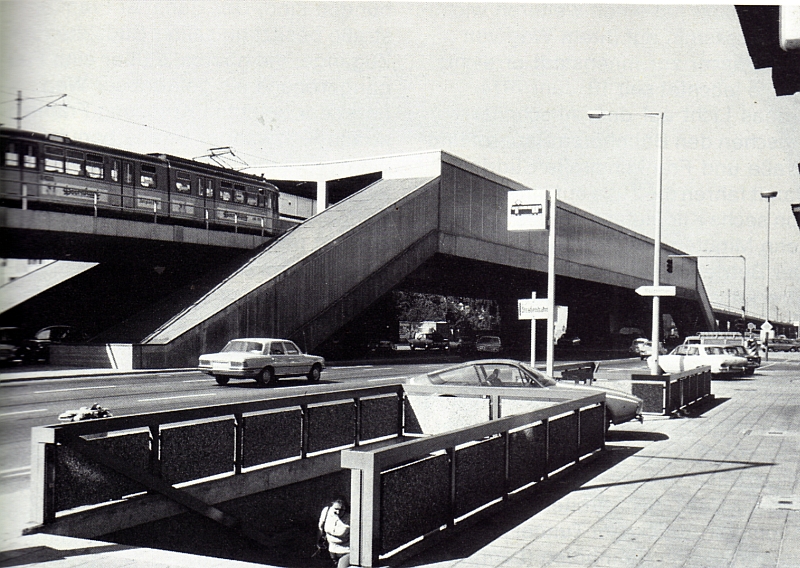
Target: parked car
x=489 y=345
x=262 y=359
x=685 y=357
x=753 y=360
x=783 y=345
x=431 y=340
x=643 y=348
x=621 y=407
x=38 y=348
x=12 y=345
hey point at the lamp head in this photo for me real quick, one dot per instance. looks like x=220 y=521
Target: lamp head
x=597 y=114
x=769 y=194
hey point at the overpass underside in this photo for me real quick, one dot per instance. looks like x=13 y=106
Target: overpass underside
x=444 y=232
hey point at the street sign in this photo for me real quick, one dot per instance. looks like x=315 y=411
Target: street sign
x=527 y=210
x=766 y=326
x=530 y=309
x=656 y=290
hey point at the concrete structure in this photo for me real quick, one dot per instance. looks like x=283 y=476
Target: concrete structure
x=432 y=222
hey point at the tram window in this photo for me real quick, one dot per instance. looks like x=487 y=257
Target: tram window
x=30 y=158
x=113 y=170
x=252 y=197
x=54 y=159
x=148 y=177
x=11 y=156
x=183 y=182
x=94 y=166
x=225 y=190
x=74 y=163
x=129 y=174
x=238 y=196
x=209 y=188
x=205 y=187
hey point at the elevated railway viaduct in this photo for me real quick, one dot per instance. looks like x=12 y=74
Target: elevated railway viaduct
x=429 y=222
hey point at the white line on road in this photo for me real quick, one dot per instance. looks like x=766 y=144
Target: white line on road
x=388 y=378
x=22 y=412
x=173 y=397
x=197 y=381
x=76 y=389
x=15 y=470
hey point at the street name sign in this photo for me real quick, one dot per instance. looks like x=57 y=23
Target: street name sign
x=530 y=309
x=656 y=290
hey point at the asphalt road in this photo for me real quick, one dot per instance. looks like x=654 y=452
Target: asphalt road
x=37 y=402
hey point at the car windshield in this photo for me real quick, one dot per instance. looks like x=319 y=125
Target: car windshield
x=240 y=346
x=714 y=350
x=735 y=349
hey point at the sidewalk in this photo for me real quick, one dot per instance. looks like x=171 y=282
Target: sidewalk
x=718 y=489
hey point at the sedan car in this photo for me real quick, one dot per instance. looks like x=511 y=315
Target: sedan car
x=782 y=345
x=621 y=407
x=38 y=348
x=488 y=344
x=643 y=348
x=753 y=361
x=12 y=345
x=687 y=357
x=262 y=359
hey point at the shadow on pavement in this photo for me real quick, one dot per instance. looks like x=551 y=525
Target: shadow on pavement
x=505 y=518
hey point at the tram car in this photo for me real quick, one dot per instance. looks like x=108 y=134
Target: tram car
x=50 y=172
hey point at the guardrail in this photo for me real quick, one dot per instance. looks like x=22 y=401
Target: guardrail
x=421 y=459
x=99 y=461
x=667 y=394
x=421 y=489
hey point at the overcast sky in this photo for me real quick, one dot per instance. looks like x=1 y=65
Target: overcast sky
x=505 y=86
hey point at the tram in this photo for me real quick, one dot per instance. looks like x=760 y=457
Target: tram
x=51 y=172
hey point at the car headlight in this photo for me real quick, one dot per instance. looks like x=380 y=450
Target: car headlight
x=205 y=362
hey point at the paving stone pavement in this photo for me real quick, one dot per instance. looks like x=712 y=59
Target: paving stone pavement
x=718 y=488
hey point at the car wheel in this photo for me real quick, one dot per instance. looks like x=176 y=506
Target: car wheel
x=314 y=373
x=266 y=377
x=222 y=379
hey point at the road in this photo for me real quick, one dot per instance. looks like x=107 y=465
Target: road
x=27 y=404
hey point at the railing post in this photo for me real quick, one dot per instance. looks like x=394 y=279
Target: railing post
x=155 y=211
x=24 y=196
x=206 y=216
x=236 y=223
x=155 y=450
x=357 y=425
x=43 y=476
x=304 y=431
x=94 y=199
x=365 y=497
x=238 y=438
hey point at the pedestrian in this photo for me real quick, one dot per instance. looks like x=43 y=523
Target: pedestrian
x=334 y=523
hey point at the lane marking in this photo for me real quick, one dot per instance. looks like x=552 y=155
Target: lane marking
x=76 y=389
x=22 y=412
x=388 y=378
x=15 y=470
x=174 y=397
x=198 y=380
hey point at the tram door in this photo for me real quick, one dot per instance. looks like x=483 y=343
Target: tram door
x=205 y=195
x=122 y=175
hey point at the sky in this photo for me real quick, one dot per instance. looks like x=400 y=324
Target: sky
x=504 y=86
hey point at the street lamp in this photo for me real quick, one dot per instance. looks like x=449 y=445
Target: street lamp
x=768 y=195
x=656 y=329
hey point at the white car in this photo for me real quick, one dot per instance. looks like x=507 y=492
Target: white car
x=687 y=357
x=262 y=359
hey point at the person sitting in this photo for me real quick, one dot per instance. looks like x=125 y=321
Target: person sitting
x=334 y=523
x=494 y=379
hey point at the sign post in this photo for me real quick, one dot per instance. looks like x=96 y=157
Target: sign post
x=528 y=211
x=766 y=335
x=533 y=310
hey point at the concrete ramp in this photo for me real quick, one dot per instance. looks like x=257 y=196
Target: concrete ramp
x=315 y=278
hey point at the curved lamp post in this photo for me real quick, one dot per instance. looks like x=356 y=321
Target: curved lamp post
x=656 y=329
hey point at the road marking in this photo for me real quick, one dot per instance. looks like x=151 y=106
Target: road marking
x=22 y=412
x=174 y=397
x=388 y=378
x=197 y=380
x=16 y=472
x=76 y=389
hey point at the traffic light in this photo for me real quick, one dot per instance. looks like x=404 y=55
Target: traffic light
x=669 y=265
